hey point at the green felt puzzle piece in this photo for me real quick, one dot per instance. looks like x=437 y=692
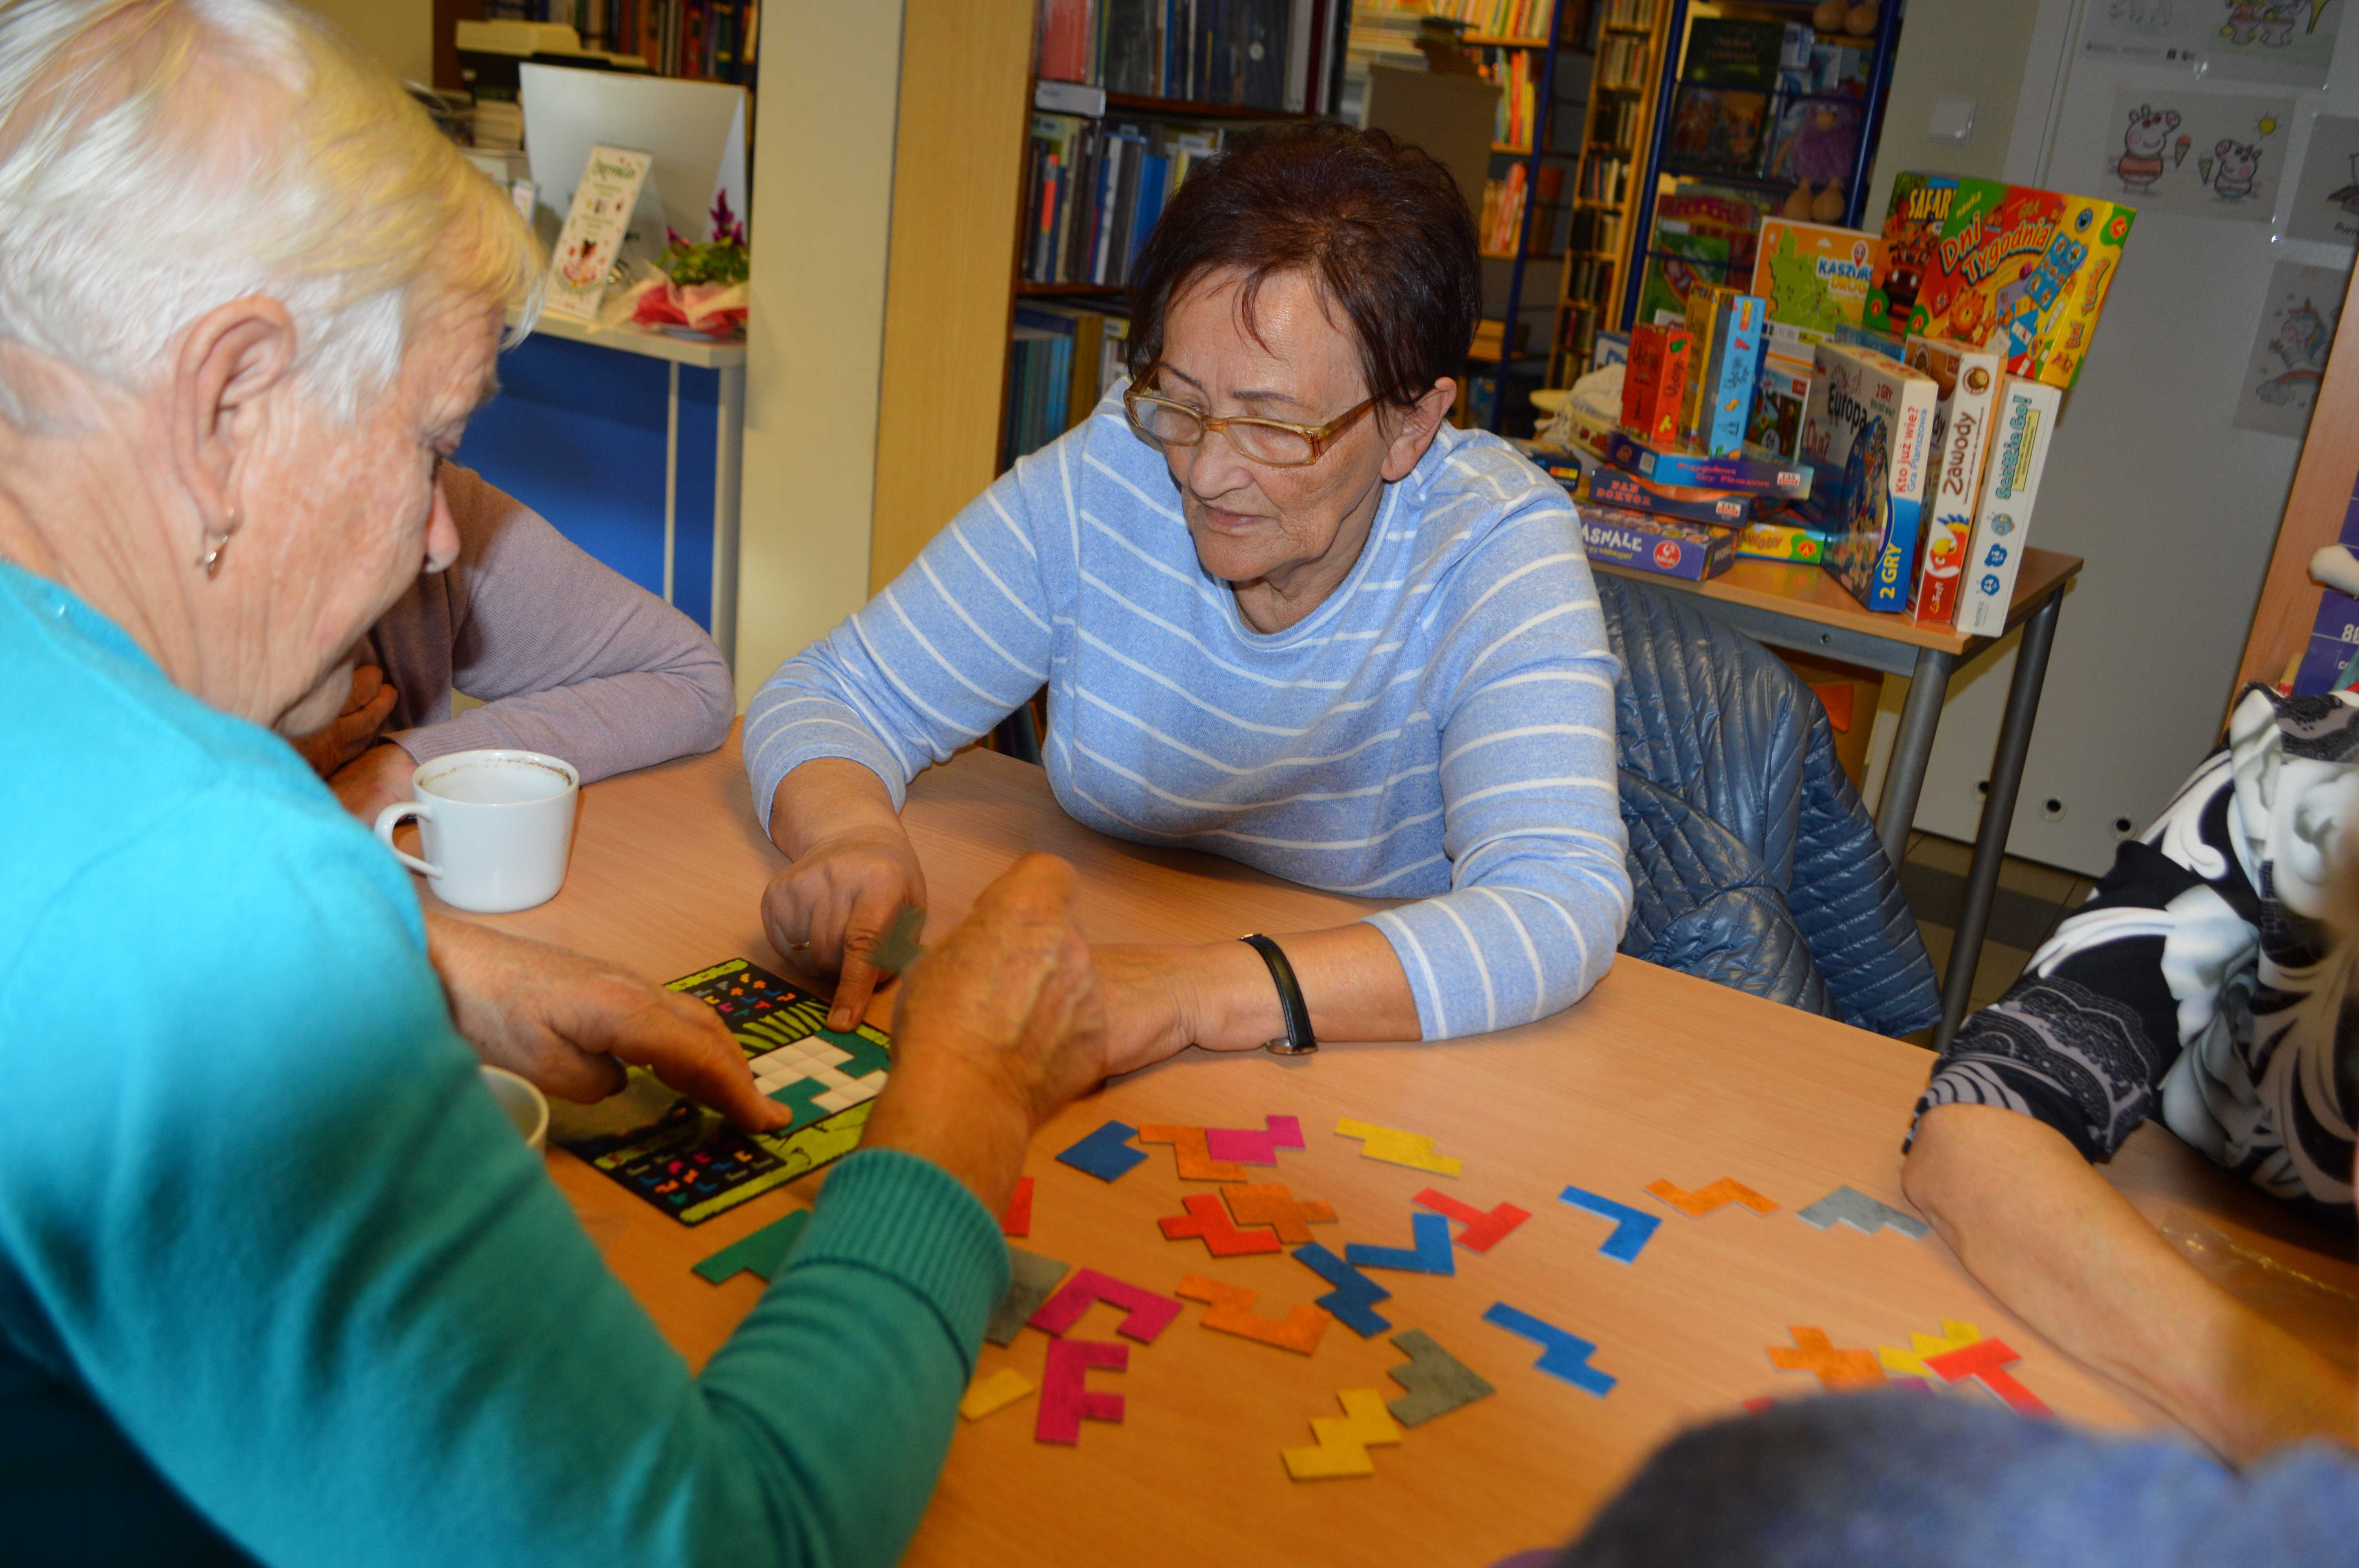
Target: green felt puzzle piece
x=867 y=1056
x=801 y=1097
x=761 y=1253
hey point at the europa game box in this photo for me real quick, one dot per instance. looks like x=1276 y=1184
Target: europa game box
x=1869 y=432
x=2021 y=272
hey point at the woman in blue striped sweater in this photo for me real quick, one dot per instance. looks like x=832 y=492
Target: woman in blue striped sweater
x=1284 y=613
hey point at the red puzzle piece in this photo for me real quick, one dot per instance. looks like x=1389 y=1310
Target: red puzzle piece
x=1018 y=1221
x=1206 y=1218
x=1483 y=1230
x=1836 y=1369
x=1988 y=1360
x=1065 y=1400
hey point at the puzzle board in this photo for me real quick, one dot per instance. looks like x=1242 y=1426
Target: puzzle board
x=687 y=1161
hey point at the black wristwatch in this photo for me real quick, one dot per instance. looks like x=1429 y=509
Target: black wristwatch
x=1298 y=1040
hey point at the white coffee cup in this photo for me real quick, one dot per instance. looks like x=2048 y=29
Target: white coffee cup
x=496 y=827
x=526 y=1107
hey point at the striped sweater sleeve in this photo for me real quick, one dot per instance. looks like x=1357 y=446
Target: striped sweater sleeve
x=1522 y=685
x=955 y=644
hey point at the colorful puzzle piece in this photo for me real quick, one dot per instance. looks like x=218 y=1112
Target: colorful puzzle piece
x=1395 y=1147
x=995 y=1392
x=1065 y=1399
x=1631 y=1229
x=1030 y=1278
x=1231 y=1311
x=1562 y=1354
x=762 y=1252
x=1148 y=1313
x=1196 y=1163
x=1483 y=1230
x=1812 y=1351
x=1431 y=1255
x=1955 y=1335
x=1703 y=1200
x=1270 y=1204
x=1106 y=1153
x=1249 y=1148
x=1018 y=1221
x=1354 y=1297
x=1344 y=1440
x=1988 y=1360
x=1437 y=1382
x=1208 y=1221
x=1862 y=1213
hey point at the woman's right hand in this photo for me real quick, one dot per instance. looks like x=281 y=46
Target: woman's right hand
x=826 y=913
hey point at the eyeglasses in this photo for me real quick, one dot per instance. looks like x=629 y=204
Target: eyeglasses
x=1273 y=443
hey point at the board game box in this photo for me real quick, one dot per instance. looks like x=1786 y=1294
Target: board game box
x=1969 y=380
x=1612 y=487
x=1660 y=545
x=1780 y=400
x=1730 y=366
x=2022 y=272
x=2022 y=429
x=1869 y=432
x=1782 y=541
x=1816 y=279
x=1751 y=471
x=690 y=1162
x=1678 y=262
x=1654 y=381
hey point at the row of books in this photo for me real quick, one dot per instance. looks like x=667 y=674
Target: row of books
x=1606 y=178
x=1500 y=18
x=712 y=39
x=1501 y=225
x=1627 y=13
x=1094 y=190
x=1281 y=55
x=1062 y=361
x=1595 y=230
x=1519 y=97
x=1615 y=123
x=1622 y=62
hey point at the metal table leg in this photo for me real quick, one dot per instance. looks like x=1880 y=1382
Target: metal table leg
x=1998 y=811
x=1912 y=750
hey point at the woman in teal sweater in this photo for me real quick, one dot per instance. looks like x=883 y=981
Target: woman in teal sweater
x=278 y=1282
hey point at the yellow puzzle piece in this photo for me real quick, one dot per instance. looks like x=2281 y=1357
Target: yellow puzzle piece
x=1395 y=1147
x=1344 y=1440
x=996 y=1392
x=1911 y=1363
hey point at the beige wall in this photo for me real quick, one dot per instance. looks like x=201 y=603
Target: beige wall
x=822 y=208
x=1962 y=49
x=400 y=34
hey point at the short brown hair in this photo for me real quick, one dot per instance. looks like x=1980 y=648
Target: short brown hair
x=1381 y=228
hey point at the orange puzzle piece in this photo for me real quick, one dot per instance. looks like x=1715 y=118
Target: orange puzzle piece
x=1196 y=1163
x=1271 y=1204
x=1206 y=1221
x=1836 y=1369
x=1231 y=1311
x=1703 y=1200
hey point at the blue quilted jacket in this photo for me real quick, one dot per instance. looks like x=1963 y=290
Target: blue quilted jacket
x=1754 y=862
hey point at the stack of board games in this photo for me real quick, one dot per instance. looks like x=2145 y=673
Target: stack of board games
x=1969 y=383
x=1868 y=433
x=2022 y=429
x=1727 y=326
x=2006 y=267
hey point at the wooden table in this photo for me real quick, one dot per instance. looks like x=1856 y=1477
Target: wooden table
x=1656 y=1074
x=1805 y=609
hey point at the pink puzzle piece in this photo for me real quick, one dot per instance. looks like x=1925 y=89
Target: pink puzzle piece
x=1150 y=1314
x=1066 y=1401
x=1246 y=1147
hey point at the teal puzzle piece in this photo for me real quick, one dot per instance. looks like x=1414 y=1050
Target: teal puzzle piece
x=764 y=1252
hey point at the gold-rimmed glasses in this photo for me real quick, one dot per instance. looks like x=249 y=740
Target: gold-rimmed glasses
x=1273 y=443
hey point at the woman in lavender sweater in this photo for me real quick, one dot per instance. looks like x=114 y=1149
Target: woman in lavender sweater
x=1284 y=613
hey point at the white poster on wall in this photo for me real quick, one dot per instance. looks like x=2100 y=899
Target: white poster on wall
x=2289 y=350
x=2194 y=154
x=2288 y=41
x=2326 y=196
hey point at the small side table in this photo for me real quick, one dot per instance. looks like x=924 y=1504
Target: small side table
x=1804 y=609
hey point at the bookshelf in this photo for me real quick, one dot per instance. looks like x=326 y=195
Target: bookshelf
x=1859 y=90
x=1625 y=41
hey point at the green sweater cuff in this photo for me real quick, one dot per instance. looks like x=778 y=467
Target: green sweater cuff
x=906 y=1218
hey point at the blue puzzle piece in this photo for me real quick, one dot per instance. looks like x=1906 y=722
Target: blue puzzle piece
x=1562 y=1354
x=1633 y=1228
x=1106 y=1153
x=1354 y=1293
x=1429 y=1256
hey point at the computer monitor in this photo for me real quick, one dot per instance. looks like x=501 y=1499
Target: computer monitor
x=695 y=129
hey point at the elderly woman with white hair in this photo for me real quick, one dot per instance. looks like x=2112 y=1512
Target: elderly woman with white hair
x=278 y=1282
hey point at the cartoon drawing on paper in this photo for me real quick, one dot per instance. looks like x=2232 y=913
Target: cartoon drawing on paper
x=2288 y=41
x=2142 y=145
x=2198 y=155
x=2239 y=165
x=2289 y=350
x=2300 y=346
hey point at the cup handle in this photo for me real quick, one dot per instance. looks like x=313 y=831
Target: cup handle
x=390 y=818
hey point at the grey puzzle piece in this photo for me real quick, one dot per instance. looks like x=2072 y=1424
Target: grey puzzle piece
x=1030 y=1278
x=1859 y=1211
x=898 y=948
x=1437 y=1382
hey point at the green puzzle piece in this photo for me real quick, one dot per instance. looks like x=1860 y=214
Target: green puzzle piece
x=761 y=1253
x=867 y=1056
x=801 y=1097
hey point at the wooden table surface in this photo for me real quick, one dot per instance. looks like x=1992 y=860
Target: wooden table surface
x=1656 y=1074
x=1812 y=593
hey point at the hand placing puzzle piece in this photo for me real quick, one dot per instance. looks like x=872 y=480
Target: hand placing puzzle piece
x=1396 y=1146
x=1344 y=1440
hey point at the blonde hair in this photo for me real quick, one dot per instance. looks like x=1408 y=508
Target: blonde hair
x=160 y=157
